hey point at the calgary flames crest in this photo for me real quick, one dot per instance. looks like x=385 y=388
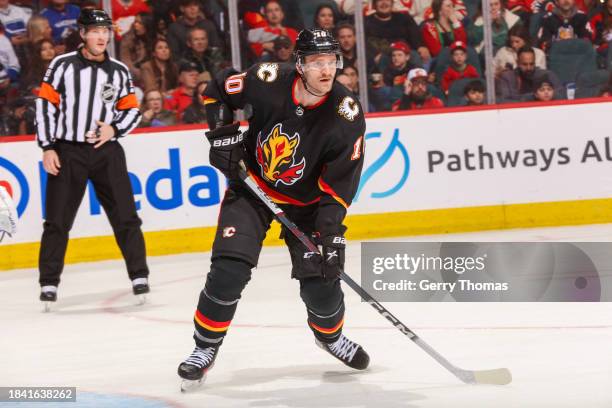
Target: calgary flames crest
x=276 y=157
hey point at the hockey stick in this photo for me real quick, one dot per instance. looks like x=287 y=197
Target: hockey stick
x=499 y=376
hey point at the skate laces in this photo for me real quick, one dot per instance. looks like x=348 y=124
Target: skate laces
x=344 y=348
x=201 y=357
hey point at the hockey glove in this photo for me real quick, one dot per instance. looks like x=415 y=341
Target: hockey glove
x=333 y=256
x=226 y=148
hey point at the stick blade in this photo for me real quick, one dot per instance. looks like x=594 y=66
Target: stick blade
x=498 y=376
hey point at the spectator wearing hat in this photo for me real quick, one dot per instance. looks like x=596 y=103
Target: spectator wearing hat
x=209 y=59
x=160 y=72
x=544 y=89
x=386 y=26
x=416 y=95
x=154 y=114
x=474 y=93
x=182 y=96
x=396 y=72
x=345 y=34
x=519 y=83
x=192 y=17
x=261 y=39
x=458 y=67
x=283 y=51
x=564 y=22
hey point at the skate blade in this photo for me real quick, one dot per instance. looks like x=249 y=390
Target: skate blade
x=47 y=307
x=141 y=299
x=191 y=385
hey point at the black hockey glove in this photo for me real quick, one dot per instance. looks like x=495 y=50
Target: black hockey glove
x=333 y=256
x=226 y=148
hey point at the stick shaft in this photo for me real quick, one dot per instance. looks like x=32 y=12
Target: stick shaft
x=282 y=217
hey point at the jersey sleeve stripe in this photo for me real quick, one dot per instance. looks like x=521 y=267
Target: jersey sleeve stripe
x=49 y=93
x=327 y=189
x=127 y=102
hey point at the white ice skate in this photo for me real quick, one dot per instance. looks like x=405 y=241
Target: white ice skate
x=140 y=288
x=48 y=295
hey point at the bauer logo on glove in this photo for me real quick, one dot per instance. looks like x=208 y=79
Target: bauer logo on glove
x=229 y=141
x=226 y=148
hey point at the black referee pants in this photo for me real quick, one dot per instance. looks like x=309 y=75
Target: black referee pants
x=106 y=168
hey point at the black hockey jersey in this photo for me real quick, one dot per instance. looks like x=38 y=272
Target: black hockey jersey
x=299 y=155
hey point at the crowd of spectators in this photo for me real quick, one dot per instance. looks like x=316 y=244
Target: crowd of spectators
x=419 y=53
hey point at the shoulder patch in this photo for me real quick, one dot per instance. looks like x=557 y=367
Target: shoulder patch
x=268 y=72
x=348 y=108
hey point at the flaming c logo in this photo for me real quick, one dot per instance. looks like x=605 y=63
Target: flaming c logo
x=275 y=156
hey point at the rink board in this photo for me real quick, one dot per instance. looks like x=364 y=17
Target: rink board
x=423 y=174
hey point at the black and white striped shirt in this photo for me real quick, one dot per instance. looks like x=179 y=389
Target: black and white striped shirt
x=76 y=92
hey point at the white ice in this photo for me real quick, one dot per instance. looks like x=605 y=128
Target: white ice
x=119 y=354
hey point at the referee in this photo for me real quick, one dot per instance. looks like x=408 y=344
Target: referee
x=86 y=102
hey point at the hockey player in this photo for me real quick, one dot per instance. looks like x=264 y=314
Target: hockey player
x=304 y=148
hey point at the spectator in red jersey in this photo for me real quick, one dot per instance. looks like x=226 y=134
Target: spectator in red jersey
x=564 y=22
x=345 y=34
x=385 y=26
x=124 y=14
x=325 y=17
x=160 y=72
x=253 y=17
x=458 y=67
x=444 y=29
x=416 y=95
x=182 y=96
x=474 y=93
x=261 y=39
x=601 y=25
x=192 y=17
x=396 y=72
